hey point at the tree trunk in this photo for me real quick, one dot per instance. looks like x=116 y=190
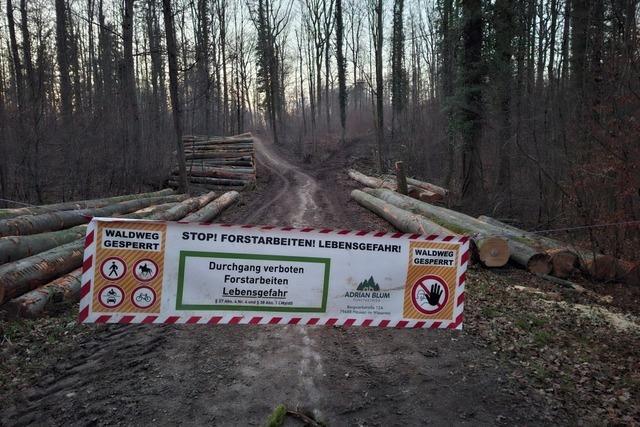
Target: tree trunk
x=80 y=204
x=342 y=68
x=33 y=303
x=471 y=113
x=214 y=208
x=19 y=277
x=13 y=248
x=401 y=219
x=522 y=253
x=63 y=60
x=34 y=224
x=173 y=89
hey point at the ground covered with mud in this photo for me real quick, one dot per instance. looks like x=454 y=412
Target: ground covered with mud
x=530 y=353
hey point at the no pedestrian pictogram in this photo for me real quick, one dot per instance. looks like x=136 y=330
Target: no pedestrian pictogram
x=113 y=268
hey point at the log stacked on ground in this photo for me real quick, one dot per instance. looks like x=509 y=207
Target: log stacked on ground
x=33 y=224
x=80 y=204
x=28 y=284
x=216 y=162
x=566 y=258
x=389 y=182
x=492 y=251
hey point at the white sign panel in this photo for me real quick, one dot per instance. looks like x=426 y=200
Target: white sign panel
x=138 y=271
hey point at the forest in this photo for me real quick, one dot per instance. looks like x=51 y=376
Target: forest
x=526 y=109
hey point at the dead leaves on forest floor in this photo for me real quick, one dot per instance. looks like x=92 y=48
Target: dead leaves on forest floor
x=579 y=356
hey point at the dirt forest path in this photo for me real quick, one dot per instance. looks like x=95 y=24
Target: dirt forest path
x=237 y=375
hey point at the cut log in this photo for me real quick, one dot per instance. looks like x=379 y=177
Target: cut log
x=19 y=277
x=399 y=218
x=214 y=208
x=33 y=303
x=521 y=253
x=600 y=267
x=370 y=181
x=492 y=251
x=33 y=224
x=184 y=208
x=80 y=204
x=564 y=262
x=209 y=172
x=442 y=192
x=219 y=181
x=628 y=272
x=13 y=248
x=389 y=183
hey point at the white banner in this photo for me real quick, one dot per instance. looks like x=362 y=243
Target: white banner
x=139 y=271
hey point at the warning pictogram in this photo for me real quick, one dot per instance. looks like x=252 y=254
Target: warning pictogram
x=145 y=270
x=429 y=294
x=113 y=268
x=111 y=296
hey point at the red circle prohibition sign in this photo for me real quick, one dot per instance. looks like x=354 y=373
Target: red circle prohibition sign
x=421 y=294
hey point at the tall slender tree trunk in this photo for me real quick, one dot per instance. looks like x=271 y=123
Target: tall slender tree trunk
x=504 y=31
x=379 y=85
x=173 y=89
x=342 y=68
x=471 y=179
x=66 y=105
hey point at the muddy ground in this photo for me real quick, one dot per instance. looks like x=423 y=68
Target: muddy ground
x=530 y=353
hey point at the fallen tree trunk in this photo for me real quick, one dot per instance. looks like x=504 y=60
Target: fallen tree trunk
x=33 y=303
x=33 y=224
x=223 y=163
x=21 y=276
x=566 y=258
x=372 y=182
x=210 y=187
x=214 y=208
x=219 y=181
x=219 y=173
x=13 y=248
x=183 y=209
x=518 y=250
x=80 y=204
x=404 y=221
x=443 y=192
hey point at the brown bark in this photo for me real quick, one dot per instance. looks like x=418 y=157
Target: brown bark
x=80 y=204
x=33 y=303
x=173 y=89
x=214 y=208
x=399 y=218
x=401 y=178
x=34 y=224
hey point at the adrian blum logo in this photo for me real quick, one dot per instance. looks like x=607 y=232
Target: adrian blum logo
x=368 y=288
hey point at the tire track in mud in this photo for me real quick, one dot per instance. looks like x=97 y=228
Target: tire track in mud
x=237 y=374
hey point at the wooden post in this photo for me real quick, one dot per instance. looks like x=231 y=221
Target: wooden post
x=401 y=178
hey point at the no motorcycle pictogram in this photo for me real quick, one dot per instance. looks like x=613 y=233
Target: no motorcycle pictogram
x=429 y=294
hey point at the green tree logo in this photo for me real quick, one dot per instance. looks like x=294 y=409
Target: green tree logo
x=368 y=285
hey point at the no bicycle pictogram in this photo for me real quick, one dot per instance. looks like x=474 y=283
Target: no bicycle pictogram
x=429 y=294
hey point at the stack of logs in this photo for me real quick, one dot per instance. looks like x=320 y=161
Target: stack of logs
x=218 y=162
x=494 y=242
x=41 y=247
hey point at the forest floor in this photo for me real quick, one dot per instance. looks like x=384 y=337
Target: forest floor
x=529 y=354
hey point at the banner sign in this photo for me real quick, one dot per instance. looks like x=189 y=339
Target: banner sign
x=138 y=271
